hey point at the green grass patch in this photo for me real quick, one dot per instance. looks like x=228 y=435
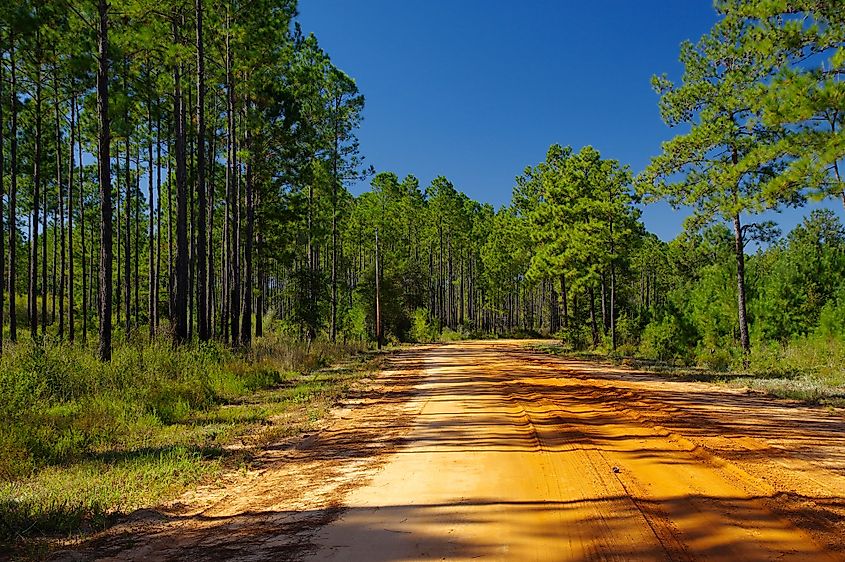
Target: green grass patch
x=84 y=442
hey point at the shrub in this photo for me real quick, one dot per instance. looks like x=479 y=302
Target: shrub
x=449 y=334
x=716 y=359
x=832 y=317
x=422 y=328
x=660 y=339
x=576 y=336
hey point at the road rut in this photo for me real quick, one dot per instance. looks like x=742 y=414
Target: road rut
x=517 y=456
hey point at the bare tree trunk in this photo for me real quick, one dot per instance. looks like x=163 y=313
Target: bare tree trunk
x=335 y=181
x=261 y=298
x=137 y=260
x=44 y=263
x=157 y=285
x=564 y=298
x=613 y=306
x=190 y=180
x=739 y=249
x=170 y=272
x=104 y=157
x=593 y=327
x=232 y=190
x=604 y=317
x=54 y=270
x=127 y=241
x=71 y=320
x=246 y=323
x=378 y=295
x=13 y=192
x=118 y=289
x=180 y=312
x=83 y=249
x=151 y=273
x=2 y=194
x=36 y=201
x=211 y=303
x=612 y=289
x=202 y=257
x=61 y=218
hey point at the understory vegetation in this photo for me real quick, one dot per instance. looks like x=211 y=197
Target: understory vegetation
x=84 y=441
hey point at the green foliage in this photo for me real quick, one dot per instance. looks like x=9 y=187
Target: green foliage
x=832 y=317
x=449 y=335
x=576 y=336
x=662 y=339
x=423 y=329
x=81 y=438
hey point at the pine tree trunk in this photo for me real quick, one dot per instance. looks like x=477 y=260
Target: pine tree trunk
x=71 y=316
x=13 y=192
x=61 y=217
x=137 y=261
x=593 y=325
x=564 y=298
x=2 y=194
x=246 y=323
x=378 y=294
x=180 y=312
x=232 y=201
x=151 y=277
x=739 y=249
x=202 y=252
x=262 y=288
x=156 y=318
x=604 y=319
x=44 y=263
x=104 y=157
x=55 y=262
x=190 y=179
x=118 y=288
x=170 y=270
x=613 y=306
x=211 y=302
x=127 y=241
x=612 y=287
x=83 y=249
x=36 y=200
x=335 y=181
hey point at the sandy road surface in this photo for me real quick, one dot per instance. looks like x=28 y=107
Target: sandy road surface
x=487 y=450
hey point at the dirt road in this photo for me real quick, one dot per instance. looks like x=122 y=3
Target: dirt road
x=490 y=450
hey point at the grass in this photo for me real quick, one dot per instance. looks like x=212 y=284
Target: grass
x=84 y=442
x=809 y=370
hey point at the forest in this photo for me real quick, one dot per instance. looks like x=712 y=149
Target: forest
x=175 y=199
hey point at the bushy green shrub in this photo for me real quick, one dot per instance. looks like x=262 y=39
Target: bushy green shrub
x=832 y=317
x=423 y=329
x=660 y=339
x=449 y=335
x=716 y=359
x=576 y=336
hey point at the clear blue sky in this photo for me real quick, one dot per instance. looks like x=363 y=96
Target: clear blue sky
x=476 y=90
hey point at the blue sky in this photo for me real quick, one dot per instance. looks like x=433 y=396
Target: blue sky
x=476 y=90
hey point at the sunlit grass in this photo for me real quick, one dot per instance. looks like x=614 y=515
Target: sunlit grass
x=84 y=441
